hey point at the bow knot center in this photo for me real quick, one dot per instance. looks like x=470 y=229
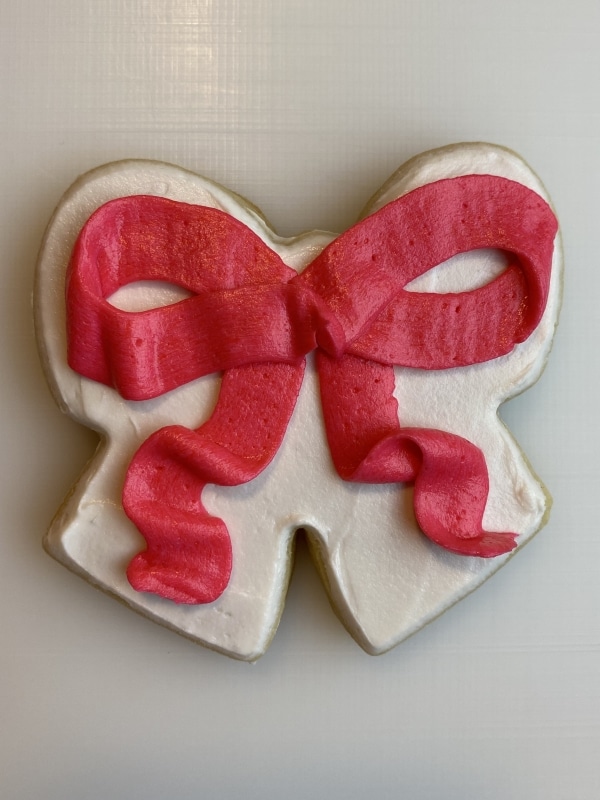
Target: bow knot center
x=313 y=322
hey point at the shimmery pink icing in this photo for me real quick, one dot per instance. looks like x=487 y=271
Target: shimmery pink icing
x=253 y=318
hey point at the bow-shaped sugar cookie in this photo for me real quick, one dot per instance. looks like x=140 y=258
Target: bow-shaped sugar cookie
x=218 y=478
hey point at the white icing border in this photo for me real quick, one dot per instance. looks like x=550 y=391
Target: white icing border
x=385 y=579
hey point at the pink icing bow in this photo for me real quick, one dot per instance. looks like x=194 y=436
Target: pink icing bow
x=253 y=318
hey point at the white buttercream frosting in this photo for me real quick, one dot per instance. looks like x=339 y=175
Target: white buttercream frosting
x=385 y=578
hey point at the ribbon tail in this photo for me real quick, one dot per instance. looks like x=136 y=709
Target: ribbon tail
x=189 y=556
x=451 y=491
x=368 y=445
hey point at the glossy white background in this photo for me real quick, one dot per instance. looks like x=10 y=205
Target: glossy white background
x=305 y=108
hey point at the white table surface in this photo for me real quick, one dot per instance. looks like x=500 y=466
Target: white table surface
x=305 y=108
